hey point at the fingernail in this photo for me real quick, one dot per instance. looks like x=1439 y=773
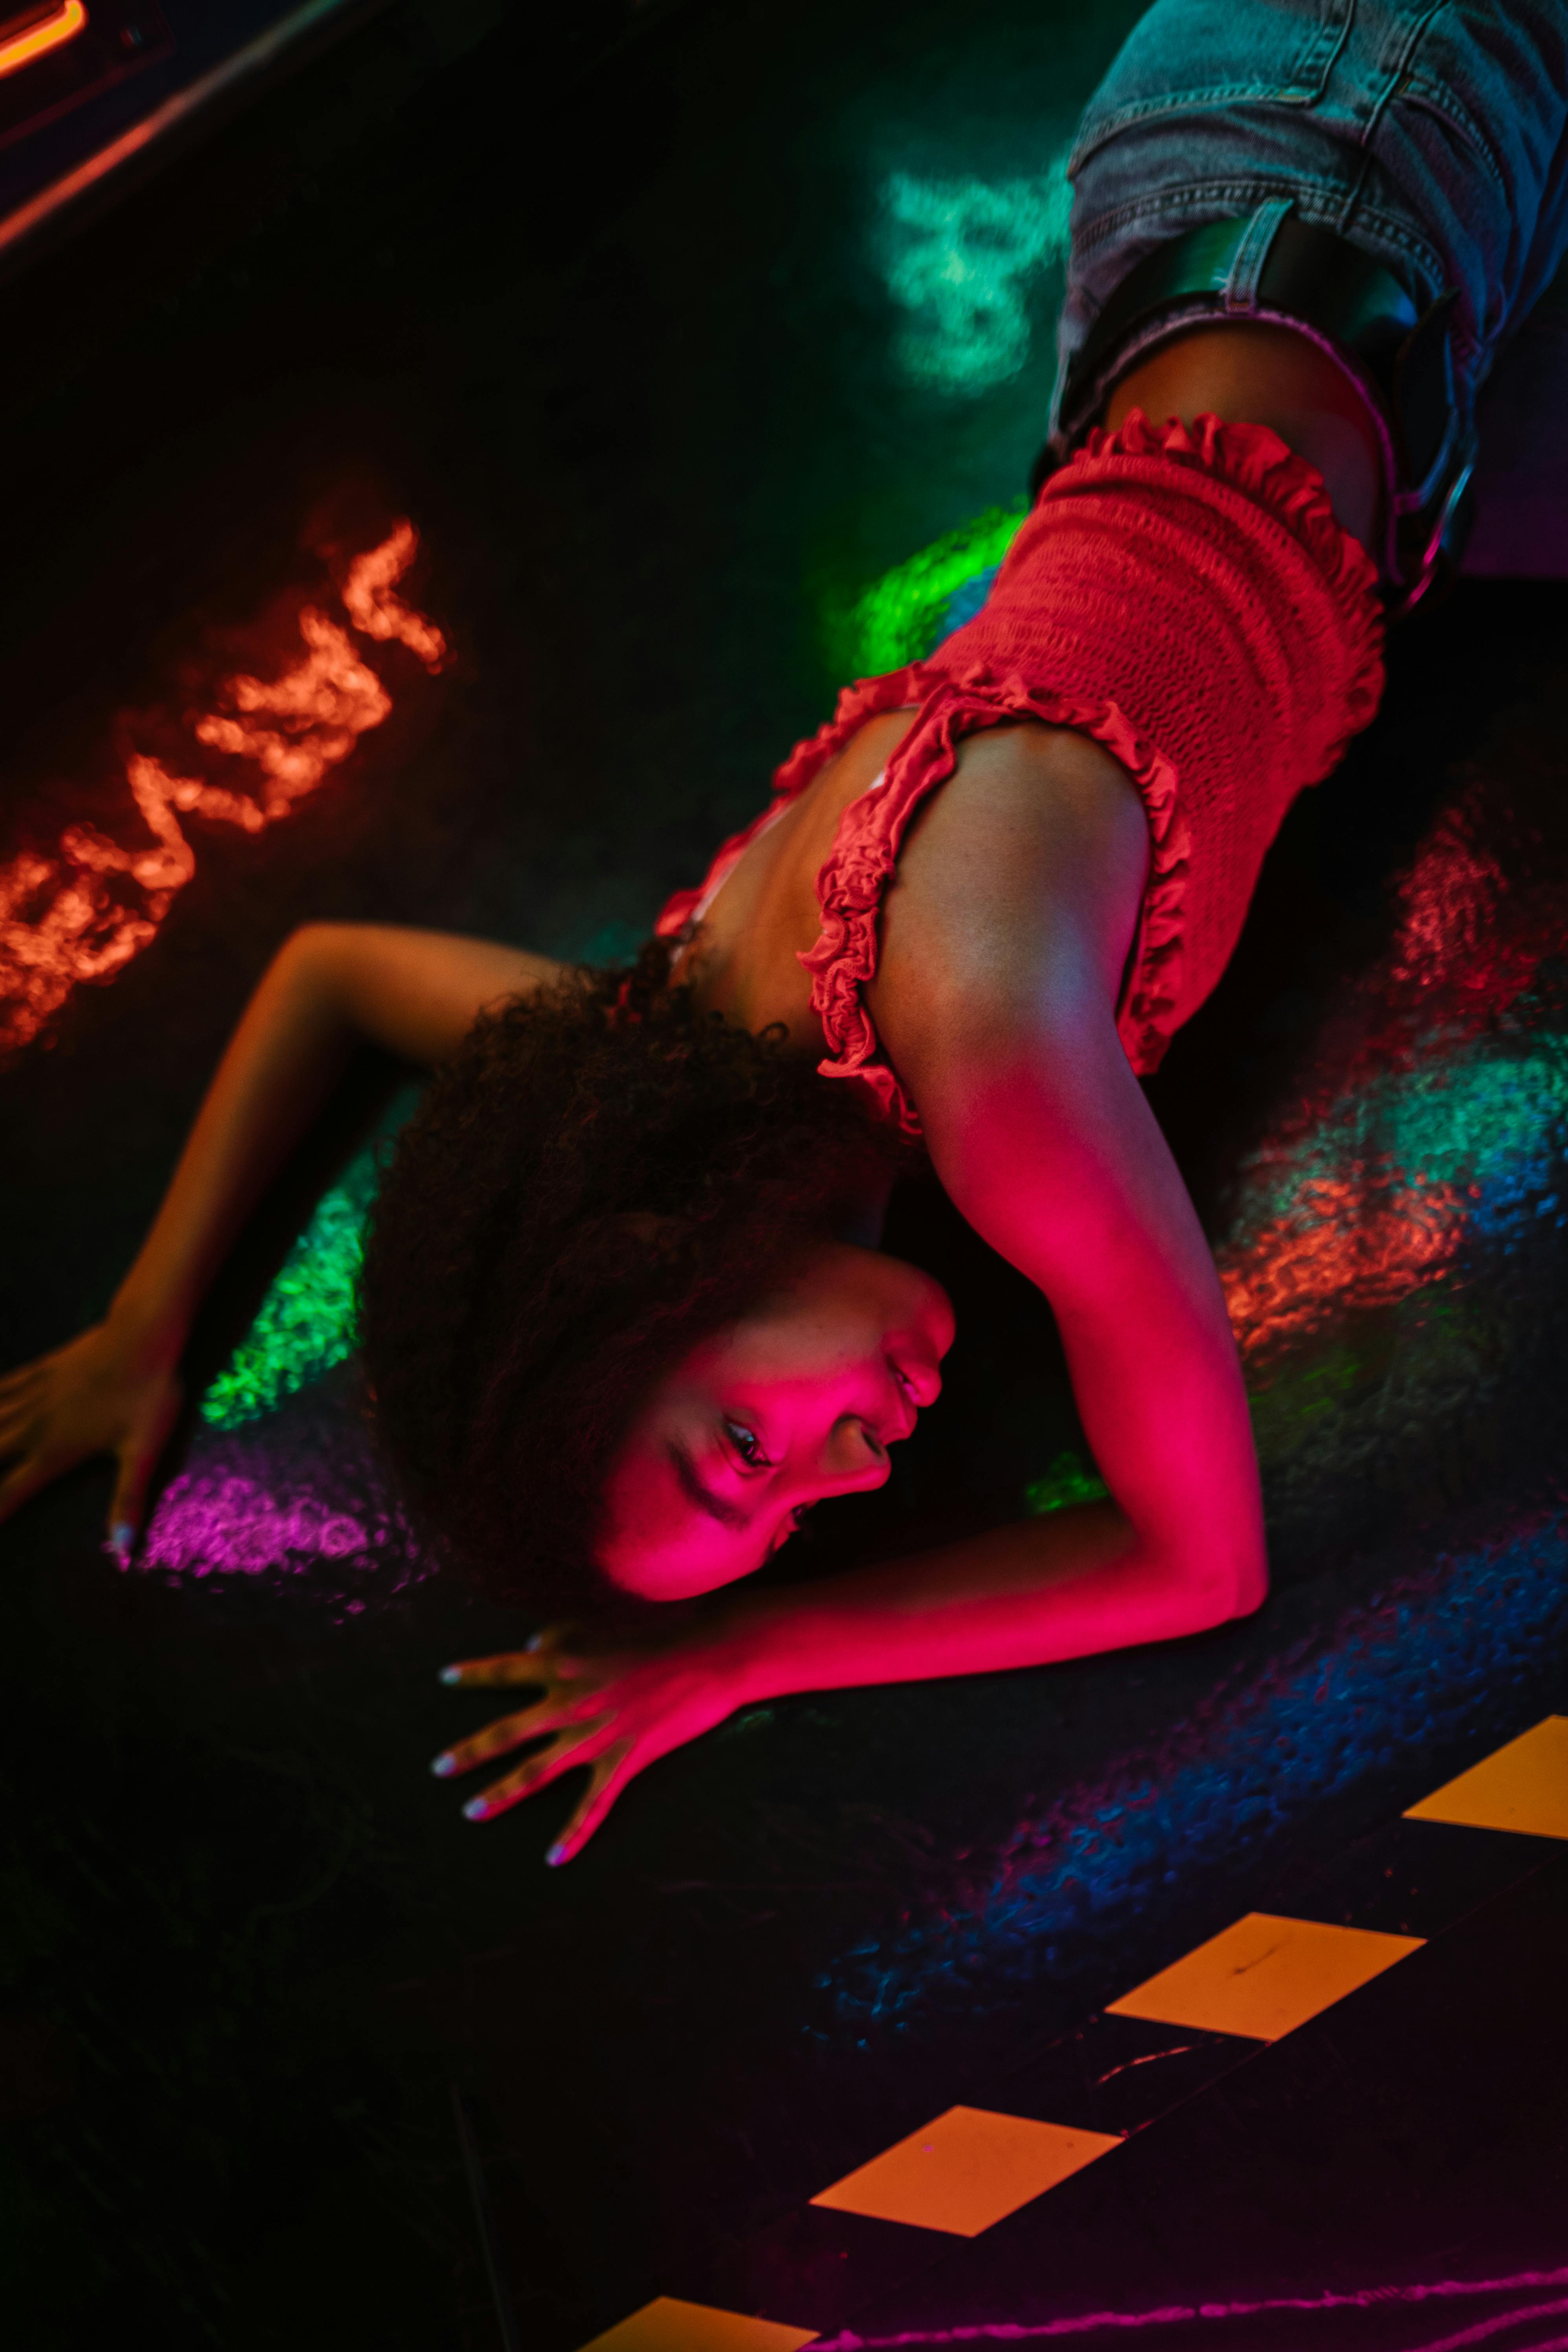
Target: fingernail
x=443 y=1767
x=475 y=1809
x=556 y=1855
x=533 y=1643
x=451 y=1673
x=121 y=1536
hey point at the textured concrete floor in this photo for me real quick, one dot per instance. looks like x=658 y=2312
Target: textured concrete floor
x=663 y=387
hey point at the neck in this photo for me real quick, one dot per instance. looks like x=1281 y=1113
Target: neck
x=862 y=1214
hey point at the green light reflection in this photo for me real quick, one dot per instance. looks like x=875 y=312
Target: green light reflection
x=306 y=1323
x=957 y=255
x=899 y=617
x=1068 y=1480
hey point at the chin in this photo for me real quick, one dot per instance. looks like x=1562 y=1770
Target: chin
x=655 y=1582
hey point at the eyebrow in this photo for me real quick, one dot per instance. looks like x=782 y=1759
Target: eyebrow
x=727 y=1514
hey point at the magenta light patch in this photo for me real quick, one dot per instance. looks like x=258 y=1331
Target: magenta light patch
x=225 y=1524
x=300 y=1506
x=1183 y=2315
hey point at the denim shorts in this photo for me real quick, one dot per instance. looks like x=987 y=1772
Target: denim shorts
x=1435 y=137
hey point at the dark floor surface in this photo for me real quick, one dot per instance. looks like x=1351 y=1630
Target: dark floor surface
x=629 y=346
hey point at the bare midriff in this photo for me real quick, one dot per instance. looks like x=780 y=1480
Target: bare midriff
x=1259 y=373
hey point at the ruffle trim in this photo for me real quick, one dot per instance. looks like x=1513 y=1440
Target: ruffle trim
x=851 y=884
x=948 y=705
x=686 y=908
x=1253 y=459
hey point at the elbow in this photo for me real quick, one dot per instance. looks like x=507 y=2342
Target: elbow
x=1216 y=1591
x=300 y=954
x=312 y=960
x=1244 y=1591
x=306 y=972
x=307 y=943
x=1251 y=1588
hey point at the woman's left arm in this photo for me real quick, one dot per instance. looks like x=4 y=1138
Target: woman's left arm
x=1043 y=1139
x=1042 y=1136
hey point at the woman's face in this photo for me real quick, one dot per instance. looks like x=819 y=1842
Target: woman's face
x=799 y=1400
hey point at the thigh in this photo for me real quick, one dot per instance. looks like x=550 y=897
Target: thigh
x=1433 y=136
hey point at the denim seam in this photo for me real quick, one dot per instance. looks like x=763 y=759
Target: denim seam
x=1240 y=290
x=1436 y=100
x=1354 y=195
x=1311 y=198
x=1198 y=102
x=1399 y=73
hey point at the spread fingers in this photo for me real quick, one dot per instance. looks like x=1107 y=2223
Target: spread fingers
x=498 y=1738
x=16 y=1428
x=503 y=1794
x=609 y=1778
x=535 y=1664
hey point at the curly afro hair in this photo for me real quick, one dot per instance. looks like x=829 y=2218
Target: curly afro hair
x=600 y=1177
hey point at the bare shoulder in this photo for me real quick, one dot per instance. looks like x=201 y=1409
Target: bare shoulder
x=1020 y=880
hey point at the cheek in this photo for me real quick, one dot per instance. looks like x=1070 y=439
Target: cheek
x=656 y=1546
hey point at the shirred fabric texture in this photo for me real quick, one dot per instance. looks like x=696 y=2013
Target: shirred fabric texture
x=1186 y=598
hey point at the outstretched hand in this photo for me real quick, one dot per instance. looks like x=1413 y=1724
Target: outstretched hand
x=615 y=1712
x=98 y=1394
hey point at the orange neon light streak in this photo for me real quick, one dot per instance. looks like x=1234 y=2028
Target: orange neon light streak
x=65 y=919
x=1347 y=1246
x=36 y=40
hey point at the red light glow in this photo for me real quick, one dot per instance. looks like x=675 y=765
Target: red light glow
x=1423 y=1084
x=45 y=33
x=322 y=706
x=65 y=919
x=1348 y=1244
x=375 y=612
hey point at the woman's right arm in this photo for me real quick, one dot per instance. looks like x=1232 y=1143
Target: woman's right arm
x=330 y=987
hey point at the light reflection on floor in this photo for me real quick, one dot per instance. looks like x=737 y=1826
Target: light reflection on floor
x=80 y=914
x=293 y=1507
x=1392 y=1257
x=959 y=257
x=1518 y=2296
x=1424 y=1136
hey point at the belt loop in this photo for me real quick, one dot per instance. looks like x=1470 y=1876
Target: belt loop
x=1240 y=290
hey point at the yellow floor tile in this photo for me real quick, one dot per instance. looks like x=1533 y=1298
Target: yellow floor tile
x=1265 y=1976
x=964 y=2171
x=1523 y=1786
x=667 y=2326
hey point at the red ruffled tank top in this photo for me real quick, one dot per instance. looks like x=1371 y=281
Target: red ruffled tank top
x=1190 y=601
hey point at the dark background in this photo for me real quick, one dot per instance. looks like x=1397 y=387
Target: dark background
x=601 y=310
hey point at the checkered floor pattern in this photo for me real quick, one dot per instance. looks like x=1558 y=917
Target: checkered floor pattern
x=1261 y=1978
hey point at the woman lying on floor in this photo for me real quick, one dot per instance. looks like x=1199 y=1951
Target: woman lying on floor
x=624 y=1313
